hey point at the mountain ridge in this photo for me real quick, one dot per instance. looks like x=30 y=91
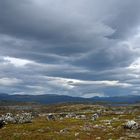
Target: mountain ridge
x=53 y=98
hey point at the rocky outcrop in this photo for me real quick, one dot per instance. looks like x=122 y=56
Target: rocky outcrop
x=23 y=118
x=18 y=118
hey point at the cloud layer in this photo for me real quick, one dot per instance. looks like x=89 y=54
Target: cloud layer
x=77 y=48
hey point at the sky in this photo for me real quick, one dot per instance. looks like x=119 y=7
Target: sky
x=79 y=48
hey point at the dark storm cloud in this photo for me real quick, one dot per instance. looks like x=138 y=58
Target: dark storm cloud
x=46 y=46
x=110 y=57
x=65 y=20
x=126 y=20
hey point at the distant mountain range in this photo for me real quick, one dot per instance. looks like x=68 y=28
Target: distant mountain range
x=52 y=99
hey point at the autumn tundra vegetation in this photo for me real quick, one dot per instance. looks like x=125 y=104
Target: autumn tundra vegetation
x=69 y=121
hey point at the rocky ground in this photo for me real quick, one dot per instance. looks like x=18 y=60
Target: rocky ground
x=71 y=122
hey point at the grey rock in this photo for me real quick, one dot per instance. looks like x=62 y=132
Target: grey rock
x=51 y=117
x=132 y=125
x=94 y=116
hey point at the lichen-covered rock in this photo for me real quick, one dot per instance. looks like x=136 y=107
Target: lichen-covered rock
x=94 y=116
x=9 y=118
x=24 y=118
x=19 y=118
x=131 y=125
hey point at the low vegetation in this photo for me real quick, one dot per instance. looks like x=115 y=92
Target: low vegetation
x=73 y=122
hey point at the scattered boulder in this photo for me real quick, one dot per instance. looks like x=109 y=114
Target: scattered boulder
x=51 y=117
x=132 y=125
x=94 y=116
